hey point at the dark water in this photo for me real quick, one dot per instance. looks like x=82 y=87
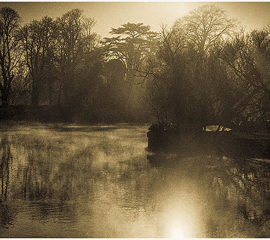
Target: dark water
x=79 y=181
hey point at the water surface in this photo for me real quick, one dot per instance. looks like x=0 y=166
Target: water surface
x=83 y=181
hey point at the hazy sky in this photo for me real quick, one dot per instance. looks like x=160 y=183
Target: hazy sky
x=113 y=14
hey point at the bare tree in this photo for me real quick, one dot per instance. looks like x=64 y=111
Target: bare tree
x=69 y=50
x=193 y=81
x=90 y=38
x=37 y=40
x=88 y=24
x=10 y=54
x=247 y=63
x=205 y=26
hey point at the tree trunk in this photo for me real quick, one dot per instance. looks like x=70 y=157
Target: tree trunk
x=35 y=95
x=50 y=82
x=5 y=102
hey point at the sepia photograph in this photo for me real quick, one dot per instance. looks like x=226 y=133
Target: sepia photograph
x=134 y=119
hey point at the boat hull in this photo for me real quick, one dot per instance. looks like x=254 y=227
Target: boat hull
x=220 y=143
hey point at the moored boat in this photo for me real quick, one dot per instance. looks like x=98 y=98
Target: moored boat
x=226 y=143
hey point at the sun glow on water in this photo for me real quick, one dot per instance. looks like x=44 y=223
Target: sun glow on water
x=177 y=233
x=177 y=228
x=182 y=213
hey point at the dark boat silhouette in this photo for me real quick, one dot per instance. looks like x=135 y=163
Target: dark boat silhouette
x=222 y=143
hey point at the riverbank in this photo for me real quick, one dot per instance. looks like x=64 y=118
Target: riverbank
x=67 y=114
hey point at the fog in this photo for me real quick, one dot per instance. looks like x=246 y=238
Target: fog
x=83 y=181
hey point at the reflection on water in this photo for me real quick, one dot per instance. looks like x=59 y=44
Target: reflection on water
x=79 y=181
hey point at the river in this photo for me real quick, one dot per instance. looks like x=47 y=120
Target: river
x=96 y=181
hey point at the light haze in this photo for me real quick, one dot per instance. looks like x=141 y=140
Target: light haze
x=113 y=14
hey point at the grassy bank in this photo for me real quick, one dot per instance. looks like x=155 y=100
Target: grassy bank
x=67 y=114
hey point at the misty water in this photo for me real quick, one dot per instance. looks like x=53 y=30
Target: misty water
x=83 y=181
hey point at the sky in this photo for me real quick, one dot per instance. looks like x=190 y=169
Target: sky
x=252 y=15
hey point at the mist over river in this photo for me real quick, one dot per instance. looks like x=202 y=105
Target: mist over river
x=96 y=181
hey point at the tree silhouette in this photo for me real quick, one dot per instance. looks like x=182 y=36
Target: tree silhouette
x=247 y=64
x=206 y=26
x=10 y=53
x=189 y=75
x=38 y=40
x=133 y=44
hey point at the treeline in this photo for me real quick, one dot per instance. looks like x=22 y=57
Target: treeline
x=211 y=72
x=62 y=70
x=204 y=70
